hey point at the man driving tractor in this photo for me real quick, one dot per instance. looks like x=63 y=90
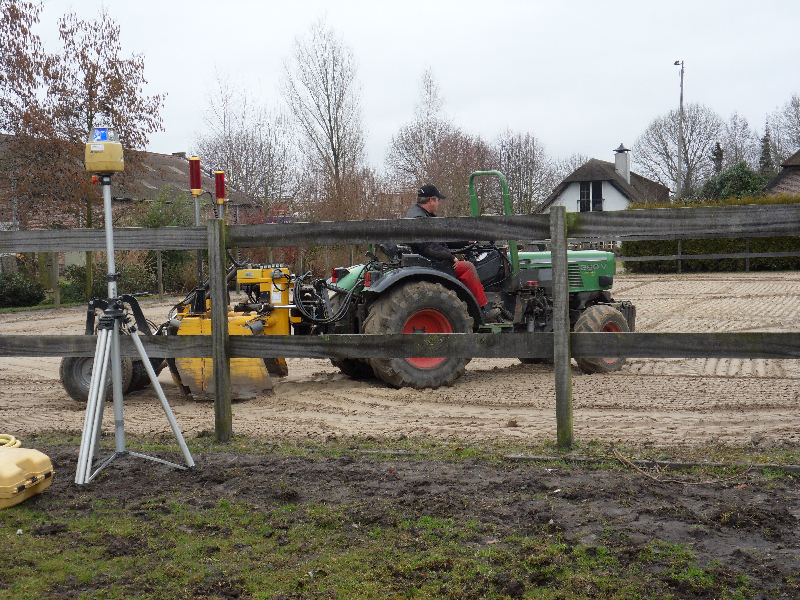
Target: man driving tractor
x=427 y=204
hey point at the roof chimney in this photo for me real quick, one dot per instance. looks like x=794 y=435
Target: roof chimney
x=622 y=162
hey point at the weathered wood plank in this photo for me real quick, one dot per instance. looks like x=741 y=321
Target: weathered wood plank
x=223 y=415
x=561 y=353
x=125 y=238
x=784 y=345
x=709 y=256
x=682 y=223
x=700 y=222
x=757 y=344
x=84 y=345
x=332 y=233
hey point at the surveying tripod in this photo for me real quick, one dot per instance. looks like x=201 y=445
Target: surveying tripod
x=107 y=352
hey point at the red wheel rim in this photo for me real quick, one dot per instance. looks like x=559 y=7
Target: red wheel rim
x=427 y=321
x=611 y=328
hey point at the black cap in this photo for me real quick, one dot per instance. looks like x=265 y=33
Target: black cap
x=429 y=191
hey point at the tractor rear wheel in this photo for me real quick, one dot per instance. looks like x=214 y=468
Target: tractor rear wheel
x=536 y=361
x=601 y=318
x=419 y=307
x=354 y=368
x=76 y=375
x=139 y=377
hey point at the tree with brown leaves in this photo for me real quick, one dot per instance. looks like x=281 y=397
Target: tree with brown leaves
x=48 y=104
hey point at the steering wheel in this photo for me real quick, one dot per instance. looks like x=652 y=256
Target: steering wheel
x=467 y=250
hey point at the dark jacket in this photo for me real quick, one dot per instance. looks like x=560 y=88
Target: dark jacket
x=434 y=250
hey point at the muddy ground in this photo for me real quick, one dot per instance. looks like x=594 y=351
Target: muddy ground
x=739 y=533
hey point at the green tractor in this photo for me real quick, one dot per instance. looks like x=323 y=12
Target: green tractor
x=408 y=293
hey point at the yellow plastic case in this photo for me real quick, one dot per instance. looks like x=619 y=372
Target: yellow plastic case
x=24 y=472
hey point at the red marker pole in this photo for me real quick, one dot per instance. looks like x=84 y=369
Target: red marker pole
x=219 y=181
x=196 y=187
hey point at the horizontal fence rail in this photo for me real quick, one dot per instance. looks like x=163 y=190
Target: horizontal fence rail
x=688 y=223
x=674 y=257
x=629 y=225
x=125 y=238
x=764 y=345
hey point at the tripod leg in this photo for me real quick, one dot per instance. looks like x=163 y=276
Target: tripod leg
x=100 y=402
x=96 y=388
x=116 y=384
x=164 y=403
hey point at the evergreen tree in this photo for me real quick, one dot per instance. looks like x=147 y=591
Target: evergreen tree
x=717 y=155
x=734 y=182
x=766 y=166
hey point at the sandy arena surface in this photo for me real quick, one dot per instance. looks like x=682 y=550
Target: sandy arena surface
x=669 y=401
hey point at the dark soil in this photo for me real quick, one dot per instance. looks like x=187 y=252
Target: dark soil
x=743 y=525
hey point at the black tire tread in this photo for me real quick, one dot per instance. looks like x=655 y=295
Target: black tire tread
x=592 y=320
x=389 y=313
x=78 y=389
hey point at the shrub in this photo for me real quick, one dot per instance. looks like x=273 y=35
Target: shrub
x=133 y=278
x=15 y=290
x=168 y=209
x=73 y=284
x=734 y=182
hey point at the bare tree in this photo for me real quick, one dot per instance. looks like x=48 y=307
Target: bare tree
x=784 y=124
x=252 y=144
x=656 y=149
x=324 y=97
x=430 y=149
x=412 y=151
x=740 y=143
x=530 y=172
x=457 y=155
x=565 y=166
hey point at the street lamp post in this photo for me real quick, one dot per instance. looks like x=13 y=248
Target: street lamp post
x=679 y=187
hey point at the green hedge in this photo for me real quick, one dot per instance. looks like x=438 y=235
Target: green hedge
x=712 y=246
x=715 y=246
x=16 y=291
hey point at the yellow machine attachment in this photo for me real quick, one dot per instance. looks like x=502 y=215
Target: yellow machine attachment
x=250 y=377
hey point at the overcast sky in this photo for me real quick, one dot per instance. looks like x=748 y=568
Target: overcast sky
x=582 y=76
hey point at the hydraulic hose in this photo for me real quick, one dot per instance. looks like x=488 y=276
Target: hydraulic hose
x=332 y=319
x=9 y=441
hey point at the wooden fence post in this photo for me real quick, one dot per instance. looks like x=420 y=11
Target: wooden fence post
x=747 y=258
x=223 y=417
x=56 y=288
x=160 y=269
x=561 y=354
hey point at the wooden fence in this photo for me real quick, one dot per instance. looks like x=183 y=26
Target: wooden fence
x=559 y=227
x=680 y=256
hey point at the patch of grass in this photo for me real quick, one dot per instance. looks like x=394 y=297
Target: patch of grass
x=214 y=545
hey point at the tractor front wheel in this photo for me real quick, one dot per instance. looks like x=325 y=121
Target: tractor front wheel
x=76 y=375
x=601 y=318
x=419 y=307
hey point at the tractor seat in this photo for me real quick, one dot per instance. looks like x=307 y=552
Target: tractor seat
x=417 y=260
x=394 y=251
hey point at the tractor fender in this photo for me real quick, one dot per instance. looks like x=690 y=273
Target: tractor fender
x=393 y=279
